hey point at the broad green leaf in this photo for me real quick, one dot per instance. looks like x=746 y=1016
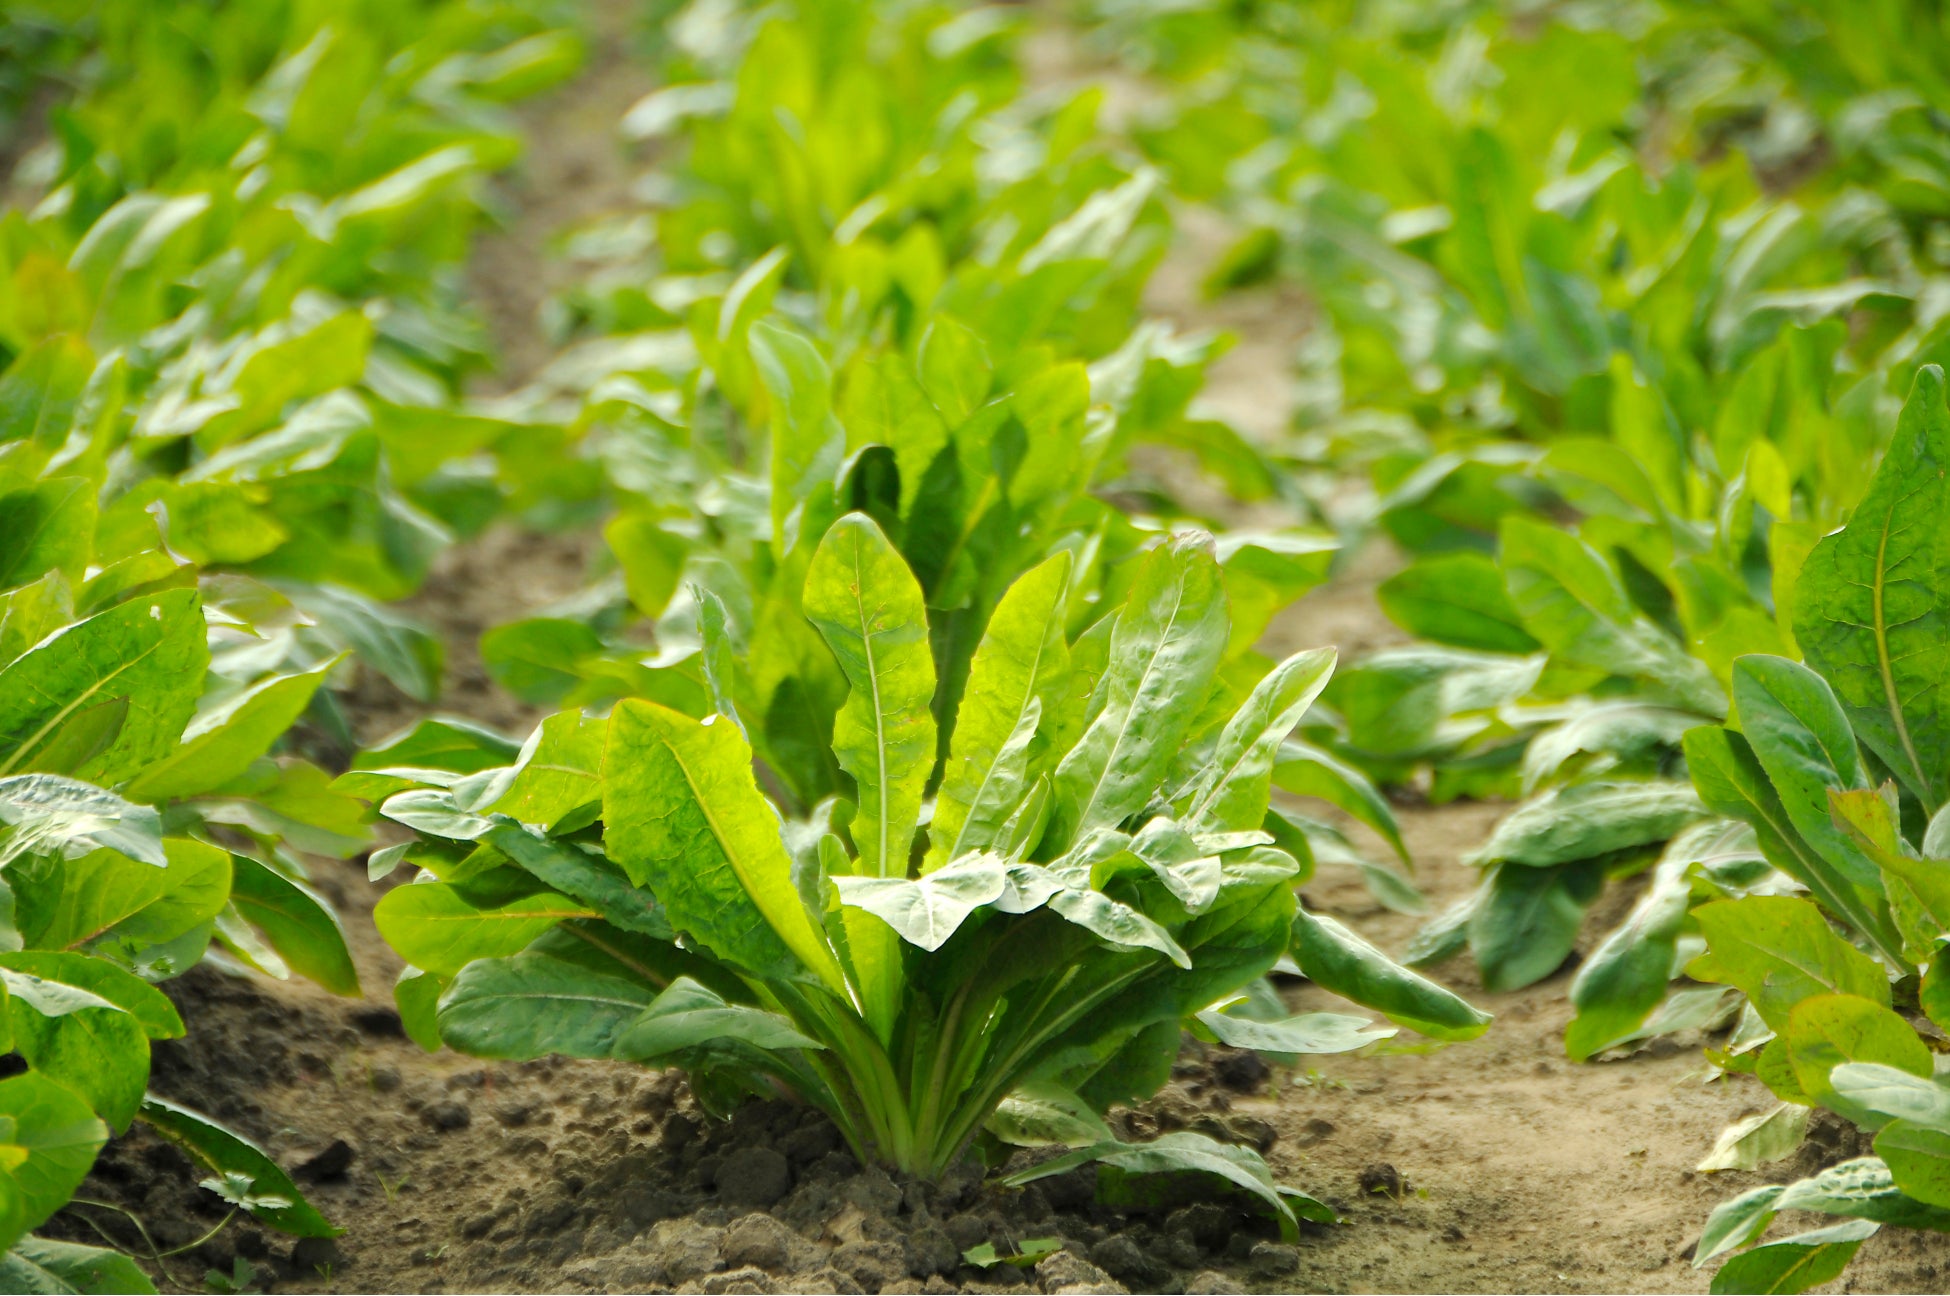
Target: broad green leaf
x=39 y=1264
x=1316 y=1032
x=1794 y=1264
x=1163 y=651
x=299 y=923
x=47 y=813
x=417 y=996
x=1629 y=732
x=223 y=1153
x=1572 y=601
x=104 y=894
x=1527 y=922
x=807 y=440
x=558 y=773
x=1894 y=1093
x=81 y=1040
x=926 y=911
x=49 y=526
x=1780 y=950
x=149 y=1006
x=1233 y=789
x=1627 y=975
x=869 y=608
x=1763 y=1137
x=883 y=404
x=1804 y=742
x=1341 y=962
x=1116 y=922
x=1018 y=673
x=1826 y=1031
x=1456 y=599
x=1306 y=770
x=687 y=1016
x=442 y=743
x=532 y=1005
x=220 y=747
x=150 y=650
x=652 y=559
x=1736 y=1222
x=568 y=868
x=684 y=818
x=1731 y=781
x=1587 y=820
x=954 y=369
x=1180 y=1152
x=1862 y=1189
x=433 y=926
x=1043 y=1114
x=1872 y=605
x=1918 y=1158
x=59 y=1136
x=539 y=659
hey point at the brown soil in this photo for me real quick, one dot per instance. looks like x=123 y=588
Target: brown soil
x=1491 y=1166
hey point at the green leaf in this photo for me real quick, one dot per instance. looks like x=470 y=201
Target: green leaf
x=1765 y=1136
x=684 y=817
x=870 y=610
x=807 y=441
x=558 y=772
x=59 y=1138
x=1314 y=1032
x=81 y=1040
x=1918 y=1158
x=1044 y=1114
x=47 y=813
x=926 y=911
x=1794 y=1264
x=106 y=894
x=1306 y=770
x=43 y=1265
x=568 y=868
x=1587 y=820
x=433 y=926
x=1233 y=790
x=149 y=1006
x=1780 y=950
x=49 y=526
x=1626 y=976
x=1826 y=1031
x=1018 y=673
x=299 y=923
x=150 y=650
x=1804 y=742
x=1180 y=1152
x=531 y=1005
x=1572 y=601
x=1872 y=605
x=1456 y=599
x=1893 y=1092
x=220 y=747
x=539 y=659
x=224 y=1152
x=1527 y=922
x=1731 y=781
x=1163 y=652
x=417 y=996
x=1736 y=1222
x=689 y=1016
x=1341 y=962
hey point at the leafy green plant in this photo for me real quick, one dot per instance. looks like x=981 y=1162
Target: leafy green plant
x=1839 y=768
x=1093 y=871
